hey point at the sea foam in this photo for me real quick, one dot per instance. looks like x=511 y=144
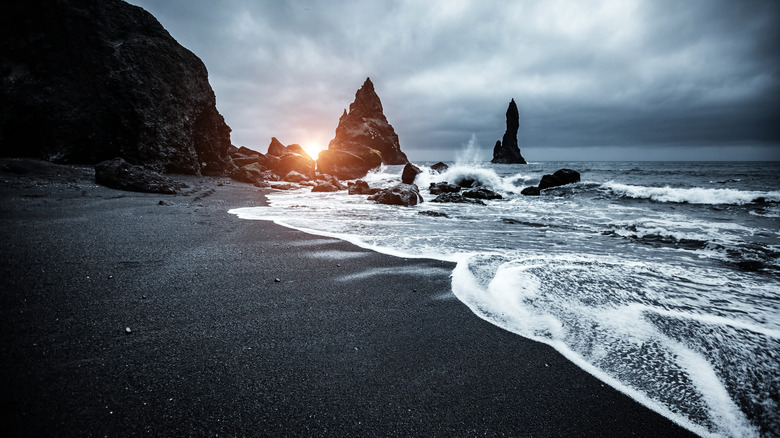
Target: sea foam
x=693 y=195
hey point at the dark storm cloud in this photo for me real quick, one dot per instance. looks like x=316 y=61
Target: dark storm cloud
x=612 y=74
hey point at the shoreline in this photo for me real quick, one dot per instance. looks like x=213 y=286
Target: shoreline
x=349 y=342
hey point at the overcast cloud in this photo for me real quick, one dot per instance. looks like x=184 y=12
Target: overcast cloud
x=593 y=80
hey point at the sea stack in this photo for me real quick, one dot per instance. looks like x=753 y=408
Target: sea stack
x=364 y=139
x=507 y=151
x=89 y=80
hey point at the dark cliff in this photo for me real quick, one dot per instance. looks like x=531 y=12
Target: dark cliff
x=89 y=80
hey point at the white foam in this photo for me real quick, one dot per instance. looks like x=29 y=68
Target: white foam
x=694 y=195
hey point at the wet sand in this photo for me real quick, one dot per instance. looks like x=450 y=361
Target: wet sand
x=347 y=342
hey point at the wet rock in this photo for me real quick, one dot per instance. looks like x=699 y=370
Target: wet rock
x=409 y=173
x=433 y=213
x=121 y=175
x=330 y=179
x=361 y=187
x=440 y=167
x=481 y=193
x=507 y=151
x=87 y=81
x=531 y=191
x=456 y=198
x=443 y=187
x=466 y=183
x=324 y=186
x=559 y=178
x=400 y=194
x=295 y=177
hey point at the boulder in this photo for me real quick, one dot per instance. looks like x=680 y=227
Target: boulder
x=290 y=162
x=365 y=125
x=481 y=193
x=443 y=187
x=559 y=178
x=440 y=167
x=351 y=164
x=295 y=177
x=121 y=175
x=361 y=187
x=507 y=151
x=248 y=174
x=88 y=80
x=324 y=186
x=406 y=195
x=466 y=182
x=456 y=198
x=324 y=177
x=245 y=151
x=289 y=186
x=531 y=191
x=409 y=173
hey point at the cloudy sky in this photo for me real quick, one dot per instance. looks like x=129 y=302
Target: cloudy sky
x=601 y=80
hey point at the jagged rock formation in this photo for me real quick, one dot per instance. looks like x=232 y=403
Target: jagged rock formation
x=507 y=151
x=364 y=139
x=84 y=81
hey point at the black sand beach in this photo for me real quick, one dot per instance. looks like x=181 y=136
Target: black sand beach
x=347 y=343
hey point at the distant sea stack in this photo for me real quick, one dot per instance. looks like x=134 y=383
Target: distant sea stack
x=507 y=151
x=89 y=80
x=364 y=138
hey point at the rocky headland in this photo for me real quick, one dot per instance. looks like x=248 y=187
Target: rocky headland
x=90 y=80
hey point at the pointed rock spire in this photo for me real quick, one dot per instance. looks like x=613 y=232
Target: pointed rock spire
x=507 y=151
x=365 y=132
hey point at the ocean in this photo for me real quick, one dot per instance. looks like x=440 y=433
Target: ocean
x=662 y=279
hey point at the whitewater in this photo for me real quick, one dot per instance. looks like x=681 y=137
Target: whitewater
x=660 y=279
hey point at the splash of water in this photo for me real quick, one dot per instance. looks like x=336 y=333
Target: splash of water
x=470 y=153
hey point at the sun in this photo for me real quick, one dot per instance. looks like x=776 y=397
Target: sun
x=313 y=149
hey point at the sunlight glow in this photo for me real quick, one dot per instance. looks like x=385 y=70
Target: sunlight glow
x=313 y=149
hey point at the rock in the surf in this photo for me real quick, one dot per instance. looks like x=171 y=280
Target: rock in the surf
x=409 y=173
x=559 y=178
x=440 y=167
x=406 y=195
x=531 y=191
x=361 y=187
x=443 y=187
x=507 y=151
x=481 y=193
x=456 y=198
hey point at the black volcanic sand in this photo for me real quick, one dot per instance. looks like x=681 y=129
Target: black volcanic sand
x=347 y=343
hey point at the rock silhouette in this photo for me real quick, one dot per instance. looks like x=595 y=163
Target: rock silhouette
x=364 y=139
x=507 y=151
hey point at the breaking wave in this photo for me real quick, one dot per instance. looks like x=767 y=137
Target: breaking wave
x=693 y=195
